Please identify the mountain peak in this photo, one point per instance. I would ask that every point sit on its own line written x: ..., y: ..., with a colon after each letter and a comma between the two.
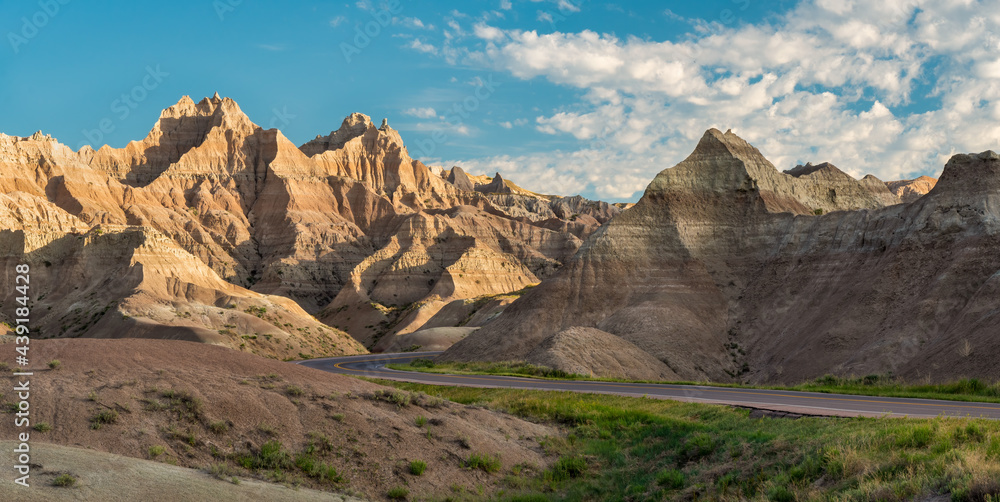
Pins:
x: 186, y: 107
x: 969, y: 174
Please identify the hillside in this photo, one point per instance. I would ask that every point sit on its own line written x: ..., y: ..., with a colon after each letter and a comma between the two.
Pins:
x: 194, y: 406
x: 728, y: 269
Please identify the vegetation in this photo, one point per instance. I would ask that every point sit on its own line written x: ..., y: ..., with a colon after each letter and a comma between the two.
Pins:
x: 649, y: 449
x: 480, y: 368
x: 103, y: 417
x: 398, y: 493
x: 54, y: 364
x: 218, y: 427
x: 484, y: 462
x: 417, y: 467
x: 273, y: 459
x: 64, y: 480
x: 42, y: 427
x: 156, y: 450
x: 969, y: 389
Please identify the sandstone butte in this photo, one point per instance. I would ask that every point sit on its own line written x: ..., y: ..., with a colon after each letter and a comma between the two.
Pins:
x: 729, y: 270
x: 214, y: 229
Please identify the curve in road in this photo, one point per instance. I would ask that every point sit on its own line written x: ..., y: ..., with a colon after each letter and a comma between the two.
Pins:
x: 804, y: 403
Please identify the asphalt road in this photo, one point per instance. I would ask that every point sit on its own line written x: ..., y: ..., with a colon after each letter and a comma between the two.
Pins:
x: 806, y: 403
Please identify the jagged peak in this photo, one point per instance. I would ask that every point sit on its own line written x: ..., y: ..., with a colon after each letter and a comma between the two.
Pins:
x: 215, y: 105
x: 355, y: 125
x: 356, y: 120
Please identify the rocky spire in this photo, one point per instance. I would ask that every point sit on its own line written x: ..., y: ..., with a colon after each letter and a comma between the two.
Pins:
x: 496, y: 186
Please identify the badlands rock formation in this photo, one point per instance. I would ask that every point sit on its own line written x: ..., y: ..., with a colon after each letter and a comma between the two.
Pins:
x: 911, y: 190
x: 729, y: 269
x: 215, y: 229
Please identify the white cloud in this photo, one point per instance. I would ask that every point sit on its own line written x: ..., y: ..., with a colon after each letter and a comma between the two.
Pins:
x: 507, y: 125
x: 423, y: 113
x: 414, y: 23
x: 820, y: 83
x: 567, y: 6
x: 487, y: 32
x: 424, y: 47
x: 337, y: 21
x: 505, y: 5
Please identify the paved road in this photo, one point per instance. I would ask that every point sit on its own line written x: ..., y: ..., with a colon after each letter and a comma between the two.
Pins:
x: 807, y: 403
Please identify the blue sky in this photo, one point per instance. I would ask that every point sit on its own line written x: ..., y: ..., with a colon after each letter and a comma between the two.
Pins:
x: 563, y: 96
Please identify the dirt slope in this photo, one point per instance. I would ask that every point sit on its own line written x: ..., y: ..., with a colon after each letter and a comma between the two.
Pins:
x: 205, y: 404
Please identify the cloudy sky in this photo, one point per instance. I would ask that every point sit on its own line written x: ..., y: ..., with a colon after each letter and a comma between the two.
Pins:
x: 562, y: 96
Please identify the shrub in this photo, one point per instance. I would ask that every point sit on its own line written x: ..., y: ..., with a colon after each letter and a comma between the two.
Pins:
x: 42, y: 427
x: 484, y: 462
x: 54, y: 364
x: 417, y: 467
x: 397, y: 397
x: 780, y: 494
x: 103, y: 417
x: 218, y: 427
x: 293, y: 391
x: 220, y: 470
x: 156, y: 450
x: 399, y: 493
x: 272, y: 456
x: 421, y: 421
x: 64, y: 480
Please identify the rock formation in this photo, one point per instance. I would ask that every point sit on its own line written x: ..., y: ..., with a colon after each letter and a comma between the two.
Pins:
x: 497, y: 185
x: 723, y: 270
x: 461, y: 180
x: 347, y: 226
x: 911, y: 190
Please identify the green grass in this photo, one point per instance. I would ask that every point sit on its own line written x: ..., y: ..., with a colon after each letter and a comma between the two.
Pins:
x: 484, y: 462
x: 621, y: 448
x: 398, y: 493
x: 64, y: 480
x: 417, y: 467
x: 478, y: 368
x: 103, y: 417
x: 970, y: 389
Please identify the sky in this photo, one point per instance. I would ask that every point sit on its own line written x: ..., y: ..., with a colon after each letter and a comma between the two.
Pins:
x: 562, y: 96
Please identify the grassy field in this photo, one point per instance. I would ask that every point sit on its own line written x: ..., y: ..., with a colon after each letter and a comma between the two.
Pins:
x: 637, y: 449
x: 871, y: 385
